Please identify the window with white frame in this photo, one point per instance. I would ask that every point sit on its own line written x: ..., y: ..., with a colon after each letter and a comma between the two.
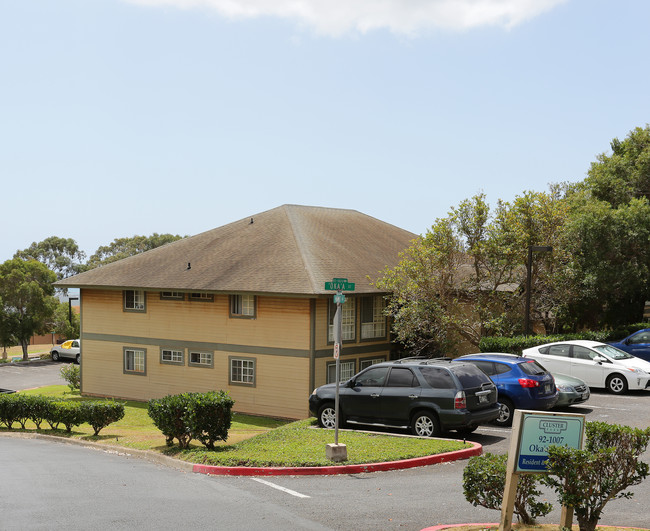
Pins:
x: 242, y: 305
x: 373, y: 319
x: 242, y: 371
x: 200, y: 296
x: 135, y: 361
x: 172, y: 356
x: 134, y: 300
x: 348, y: 320
x: 172, y: 295
x: 201, y: 359
x: 347, y: 371
x: 363, y: 364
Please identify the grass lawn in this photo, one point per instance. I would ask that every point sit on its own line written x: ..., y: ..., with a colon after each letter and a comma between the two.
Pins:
x: 252, y: 441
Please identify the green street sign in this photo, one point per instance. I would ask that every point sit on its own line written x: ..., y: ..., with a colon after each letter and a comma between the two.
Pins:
x: 339, y: 284
x: 339, y: 298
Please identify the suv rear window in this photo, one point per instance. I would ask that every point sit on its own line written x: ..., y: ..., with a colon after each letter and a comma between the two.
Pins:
x: 438, y: 378
x: 470, y: 375
x: 532, y: 367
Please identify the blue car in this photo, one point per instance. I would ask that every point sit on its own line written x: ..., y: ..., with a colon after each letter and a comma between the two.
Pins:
x: 637, y: 344
x: 520, y: 383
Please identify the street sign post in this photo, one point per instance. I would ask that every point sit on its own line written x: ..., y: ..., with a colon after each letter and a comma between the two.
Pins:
x: 338, y: 452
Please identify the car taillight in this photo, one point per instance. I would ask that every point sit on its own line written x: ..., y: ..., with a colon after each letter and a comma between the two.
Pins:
x: 527, y: 382
x: 460, y: 401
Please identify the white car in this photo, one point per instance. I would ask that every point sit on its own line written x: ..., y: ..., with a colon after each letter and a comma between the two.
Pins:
x: 68, y: 349
x: 598, y: 364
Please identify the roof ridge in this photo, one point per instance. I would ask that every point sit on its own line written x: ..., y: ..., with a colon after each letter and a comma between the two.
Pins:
x: 300, y: 240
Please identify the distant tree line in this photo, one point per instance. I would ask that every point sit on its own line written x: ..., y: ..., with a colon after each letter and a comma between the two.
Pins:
x: 28, y: 305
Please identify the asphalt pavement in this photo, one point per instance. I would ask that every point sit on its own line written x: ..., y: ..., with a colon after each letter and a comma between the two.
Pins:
x: 56, y: 485
x: 20, y: 376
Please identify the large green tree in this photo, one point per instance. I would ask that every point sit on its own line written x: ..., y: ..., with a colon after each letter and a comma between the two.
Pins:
x: 124, y: 247
x: 65, y: 321
x: 465, y: 278
x: 608, y: 271
x: 61, y: 255
x: 623, y: 175
x: 26, y: 295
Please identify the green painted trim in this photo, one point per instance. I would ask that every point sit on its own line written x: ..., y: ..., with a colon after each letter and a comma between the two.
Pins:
x: 191, y: 363
x: 134, y: 310
x: 198, y: 345
x: 135, y: 373
x: 355, y: 351
x: 242, y: 384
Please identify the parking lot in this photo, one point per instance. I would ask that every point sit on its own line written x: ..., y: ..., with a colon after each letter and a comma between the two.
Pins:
x: 18, y: 376
x: 631, y: 409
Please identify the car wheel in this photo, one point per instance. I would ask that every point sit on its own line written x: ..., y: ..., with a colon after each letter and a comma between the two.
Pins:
x: 506, y: 411
x: 78, y: 359
x: 327, y: 416
x: 55, y: 356
x: 616, y: 384
x: 425, y: 424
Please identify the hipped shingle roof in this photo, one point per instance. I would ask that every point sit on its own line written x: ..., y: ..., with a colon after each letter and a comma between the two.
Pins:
x: 290, y: 249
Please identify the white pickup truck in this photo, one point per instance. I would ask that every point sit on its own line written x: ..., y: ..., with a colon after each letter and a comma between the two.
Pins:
x: 68, y: 349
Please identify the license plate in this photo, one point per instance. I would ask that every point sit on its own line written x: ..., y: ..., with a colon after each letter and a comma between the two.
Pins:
x: 482, y: 399
x: 547, y: 389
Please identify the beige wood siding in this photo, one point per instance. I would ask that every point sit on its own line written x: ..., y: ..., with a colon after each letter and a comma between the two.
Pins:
x: 281, y: 322
x: 281, y: 388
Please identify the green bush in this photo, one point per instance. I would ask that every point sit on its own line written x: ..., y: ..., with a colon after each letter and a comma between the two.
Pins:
x: 516, y: 344
x: 210, y: 416
x: 39, y: 408
x: 70, y: 414
x: 484, y: 480
x: 203, y: 416
x: 100, y: 414
x: 168, y: 414
x: 610, y: 463
x: 70, y: 373
x: 13, y: 409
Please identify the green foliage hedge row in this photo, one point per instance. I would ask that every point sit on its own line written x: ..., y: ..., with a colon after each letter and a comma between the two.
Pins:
x: 203, y: 416
x: 516, y: 344
x: 17, y: 408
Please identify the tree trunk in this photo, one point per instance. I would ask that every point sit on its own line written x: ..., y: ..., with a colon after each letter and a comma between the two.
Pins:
x: 25, y: 344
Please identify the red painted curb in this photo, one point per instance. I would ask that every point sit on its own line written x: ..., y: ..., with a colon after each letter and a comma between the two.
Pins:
x: 439, y: 527
x: 476, y: 449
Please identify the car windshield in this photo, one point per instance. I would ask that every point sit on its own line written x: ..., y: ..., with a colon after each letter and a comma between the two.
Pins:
x: 470, y: 375
x: 612, y: 352
x: 533, y: 368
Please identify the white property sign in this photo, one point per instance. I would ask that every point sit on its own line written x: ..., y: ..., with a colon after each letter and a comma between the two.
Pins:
x: 532, y: 433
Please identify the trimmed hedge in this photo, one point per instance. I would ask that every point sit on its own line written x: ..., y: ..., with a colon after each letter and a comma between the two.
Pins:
x: 21, y: 408
x: 203, y: 416
x: 516, y: 344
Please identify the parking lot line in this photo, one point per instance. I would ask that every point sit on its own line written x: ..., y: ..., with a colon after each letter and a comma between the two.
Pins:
x: 283, y: 489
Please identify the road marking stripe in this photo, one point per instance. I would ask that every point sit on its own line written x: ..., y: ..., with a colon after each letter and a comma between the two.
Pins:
x: 288, y: 491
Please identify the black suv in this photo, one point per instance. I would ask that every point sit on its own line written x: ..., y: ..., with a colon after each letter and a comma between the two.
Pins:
x: 428, y: 395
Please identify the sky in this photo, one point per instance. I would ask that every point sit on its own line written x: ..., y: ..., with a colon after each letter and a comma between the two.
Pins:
x: 125, y: 117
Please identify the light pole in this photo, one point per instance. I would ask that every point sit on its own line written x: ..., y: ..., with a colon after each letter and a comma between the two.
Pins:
x: 531, y: 249
x: 70, y: 299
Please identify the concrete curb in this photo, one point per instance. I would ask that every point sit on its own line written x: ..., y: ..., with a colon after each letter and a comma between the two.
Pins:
x: 476, y: 449
x: 211, y: 470
x: 34, y: 362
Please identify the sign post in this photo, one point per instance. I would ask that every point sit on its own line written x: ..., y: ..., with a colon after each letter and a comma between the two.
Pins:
x: 338, y: 452
x: 532, y: 433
